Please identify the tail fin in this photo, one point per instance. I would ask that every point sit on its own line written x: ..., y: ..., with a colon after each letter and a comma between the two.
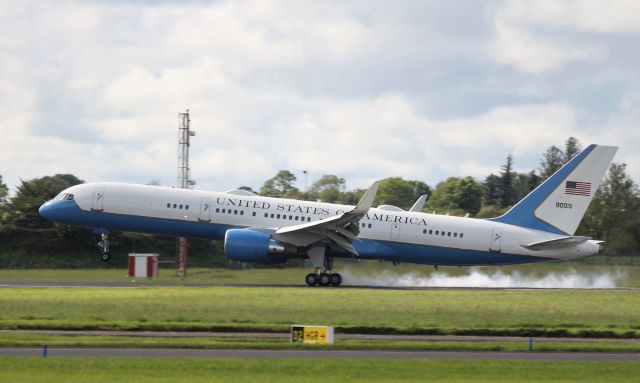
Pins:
x: 559, y: 203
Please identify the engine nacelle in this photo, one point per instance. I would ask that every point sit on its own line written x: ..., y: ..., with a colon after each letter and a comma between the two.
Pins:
x: 252, y: 246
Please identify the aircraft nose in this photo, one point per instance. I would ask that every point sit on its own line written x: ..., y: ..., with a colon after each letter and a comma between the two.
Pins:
x: 47, y: 210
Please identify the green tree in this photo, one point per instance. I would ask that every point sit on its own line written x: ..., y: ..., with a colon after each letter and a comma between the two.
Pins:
x: 399, y: 192
x: 280, y: 185
x: 22, y: 209
x: 613, y: 215
x: 329, y: 188
x: 552, y: 160
x: 571, y: 148
x: 4, y: 191
x: 507, y: 177
x: 454, y: 194
x: 420, y: 188
x: 524, y: 183
x: 352, y: 197
x: 493, y: 190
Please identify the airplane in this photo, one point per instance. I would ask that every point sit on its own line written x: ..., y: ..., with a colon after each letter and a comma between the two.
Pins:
x: 266, y: 230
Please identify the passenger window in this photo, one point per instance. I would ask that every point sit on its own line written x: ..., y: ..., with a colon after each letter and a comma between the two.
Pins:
x: 308, y: 219
x: 369, y: 226
x: 278, y: 216
x: 442, y: 233
x: 296, y: 217
x: 455, y: 235
x: 241, y: 212
x: 235, y: 212
x: 186, y: 207
x: 430, y: 231
x: 168, y: 205
x: 180, y: 206
x: 266, y: 215
x: 449, y: 234
x: 424, y: 231
x: 254, y: 214
x: 175, y: 205
x: 271, y: 215
x: 437, y: 232
x: 461, y: 235
x: 224, y: 211
x: 217, y: 210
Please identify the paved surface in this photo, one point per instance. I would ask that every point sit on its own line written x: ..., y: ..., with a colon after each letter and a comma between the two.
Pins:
x: 338, y: 336
x: 18, y: 284
x: 306, y: 354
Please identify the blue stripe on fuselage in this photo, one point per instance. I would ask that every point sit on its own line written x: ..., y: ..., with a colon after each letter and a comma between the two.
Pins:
x: 69, y: 212
x: 435, y: 255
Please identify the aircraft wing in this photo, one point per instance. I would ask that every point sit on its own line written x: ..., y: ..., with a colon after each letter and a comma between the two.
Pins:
x: 419, y: 204
x: 339, y: 231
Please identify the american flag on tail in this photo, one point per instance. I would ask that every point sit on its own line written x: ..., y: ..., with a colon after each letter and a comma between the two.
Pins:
x: 578, y: 188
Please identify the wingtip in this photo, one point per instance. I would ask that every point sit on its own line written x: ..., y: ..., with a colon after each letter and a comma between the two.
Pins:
x: 367, y: 199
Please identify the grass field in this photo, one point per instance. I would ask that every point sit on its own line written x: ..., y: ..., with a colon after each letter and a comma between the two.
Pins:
x: 500, y: 312
x: 141, y: 370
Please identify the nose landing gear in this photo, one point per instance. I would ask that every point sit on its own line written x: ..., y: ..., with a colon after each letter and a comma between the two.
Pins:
x: 104, y: 247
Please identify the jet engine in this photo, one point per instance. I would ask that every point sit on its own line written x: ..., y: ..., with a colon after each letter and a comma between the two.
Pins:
x: 246, y: 245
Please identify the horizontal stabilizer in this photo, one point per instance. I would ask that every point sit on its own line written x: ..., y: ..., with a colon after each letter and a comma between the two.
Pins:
x: 557, y: 243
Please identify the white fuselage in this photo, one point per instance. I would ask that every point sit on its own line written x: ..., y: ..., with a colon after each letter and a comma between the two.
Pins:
x: 386, y: 233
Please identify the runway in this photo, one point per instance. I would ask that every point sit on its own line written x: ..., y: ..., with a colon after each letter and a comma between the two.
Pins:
x: 338, y: 336
x: 19, y: 284
x: 320, y: 354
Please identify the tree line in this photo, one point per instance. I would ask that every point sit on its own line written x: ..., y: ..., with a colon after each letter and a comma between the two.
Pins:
x: 28, y: 240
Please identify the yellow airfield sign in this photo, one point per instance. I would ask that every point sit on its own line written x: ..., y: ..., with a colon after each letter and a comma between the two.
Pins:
x: 312, y: 334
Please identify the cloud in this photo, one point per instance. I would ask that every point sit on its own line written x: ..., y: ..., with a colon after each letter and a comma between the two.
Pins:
x: 361, y: 90
x: 619, y: 17
x: 544, y: 36
x: 530, y: 53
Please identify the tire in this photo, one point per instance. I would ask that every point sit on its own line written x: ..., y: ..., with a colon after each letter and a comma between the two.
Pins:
x: 336, y: 279
x: 311, y: 279
x: 105, y: 257
x: 324, y: 279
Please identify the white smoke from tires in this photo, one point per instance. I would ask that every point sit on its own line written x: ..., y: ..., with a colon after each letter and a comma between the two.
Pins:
x: 476, y: 277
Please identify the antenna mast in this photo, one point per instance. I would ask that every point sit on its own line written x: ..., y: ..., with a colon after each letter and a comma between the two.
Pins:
x: 185, y: 182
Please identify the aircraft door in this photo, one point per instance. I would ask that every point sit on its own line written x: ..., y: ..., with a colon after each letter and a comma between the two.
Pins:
x: 496, y: 240
x: 205, y: 211
x: 98, y: 199
x: 395, y: 231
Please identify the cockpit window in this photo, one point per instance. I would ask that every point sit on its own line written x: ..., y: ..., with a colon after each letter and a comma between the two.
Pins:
x: 65, y: 196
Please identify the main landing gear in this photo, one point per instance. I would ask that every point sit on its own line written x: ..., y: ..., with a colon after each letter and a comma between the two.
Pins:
x: 104, y: 247
x: 323, y: 278
x: 323, y: 275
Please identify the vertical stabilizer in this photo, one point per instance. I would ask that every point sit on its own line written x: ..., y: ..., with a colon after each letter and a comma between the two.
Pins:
x: 559, y: 203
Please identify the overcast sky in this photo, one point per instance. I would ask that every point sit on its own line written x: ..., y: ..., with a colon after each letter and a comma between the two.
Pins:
x: 361, y: 89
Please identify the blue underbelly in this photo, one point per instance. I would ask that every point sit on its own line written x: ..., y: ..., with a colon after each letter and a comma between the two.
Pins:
x: 367, y: 248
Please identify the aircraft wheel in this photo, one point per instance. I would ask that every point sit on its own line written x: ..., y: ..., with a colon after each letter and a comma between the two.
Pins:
x: 311, y: 279
x: 105, y: 257
x: 324, y: 280
x: 336, y: 279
